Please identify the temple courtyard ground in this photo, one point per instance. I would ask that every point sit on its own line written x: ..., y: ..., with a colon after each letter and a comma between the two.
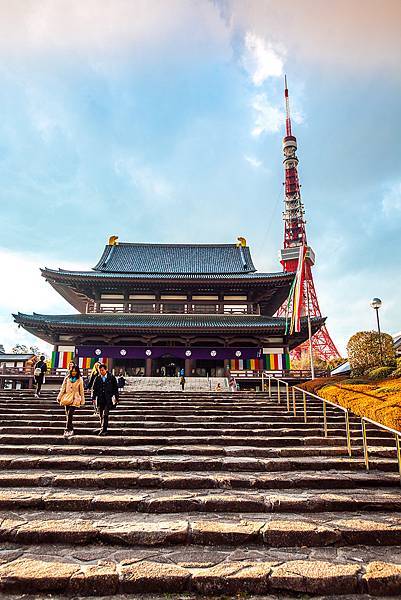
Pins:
x: 194, y: 494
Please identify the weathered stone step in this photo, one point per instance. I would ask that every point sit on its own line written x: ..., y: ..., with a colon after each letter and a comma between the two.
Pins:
x: 208, y: 451
x: 287, y: 530
x: 75, y: 479
x: 81, y: 417
x: 179, y: 463
x: 163, y: 440
x: 185, y: 431
x: 212, y: 501
x: 193, y: 422
x: 204, y: 571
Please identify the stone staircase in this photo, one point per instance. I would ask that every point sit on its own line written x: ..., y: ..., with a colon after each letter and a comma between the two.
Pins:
x: 172, y: 384
x: 197, y: 493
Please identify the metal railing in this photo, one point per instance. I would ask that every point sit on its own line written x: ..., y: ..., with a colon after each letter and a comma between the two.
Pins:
x: 305, y: 393
x: 364, y: 420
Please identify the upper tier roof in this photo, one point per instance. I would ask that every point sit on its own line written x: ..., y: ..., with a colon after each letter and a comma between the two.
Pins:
x: 175, y: 258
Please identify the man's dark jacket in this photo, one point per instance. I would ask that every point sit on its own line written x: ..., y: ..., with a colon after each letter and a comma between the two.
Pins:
x: 103, y: 391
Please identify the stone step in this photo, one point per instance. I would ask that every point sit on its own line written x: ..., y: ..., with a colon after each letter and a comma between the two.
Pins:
x: 89, y: 419
x: 218, y: 440
x: 210, y: 501
x: 273, y: 531
x: 119, y: 416
x: 204, y: 571
x: 82, y: 480
x: 180, y: 463
x: 185, y: 431
x: 209, y: 451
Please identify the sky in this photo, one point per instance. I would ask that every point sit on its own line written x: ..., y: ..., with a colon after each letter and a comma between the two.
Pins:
x: 163, y: 122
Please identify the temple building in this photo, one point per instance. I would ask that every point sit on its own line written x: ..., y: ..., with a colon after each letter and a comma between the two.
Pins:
x: 154, y: 309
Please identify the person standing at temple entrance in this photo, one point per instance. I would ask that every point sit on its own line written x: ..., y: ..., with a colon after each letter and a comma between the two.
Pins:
x: 105, y: 396
x: 182, y: 382
x: 39, y: 374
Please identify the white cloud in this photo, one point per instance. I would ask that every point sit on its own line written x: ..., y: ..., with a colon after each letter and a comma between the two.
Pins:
x: 391, y: 202
x: 260, y: 59
x: 28, y: 292
x: 253, y: 161
x: 144, y: 178
x: 268, y: 117
x: 95, y: 30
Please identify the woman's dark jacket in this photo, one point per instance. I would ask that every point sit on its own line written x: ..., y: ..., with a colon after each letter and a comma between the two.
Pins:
x: 103, y: 391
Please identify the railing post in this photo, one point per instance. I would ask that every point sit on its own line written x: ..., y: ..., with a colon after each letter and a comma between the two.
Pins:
x: 304, y: 399
x: 325, y: 418
x: 270, y: 386
x: 294, y: 404
x: 397, y: 442
x: 347, y: 428
x: 288, y: 397
x: 365, y: 445
x: 278, y: 391
x: 263, y: 381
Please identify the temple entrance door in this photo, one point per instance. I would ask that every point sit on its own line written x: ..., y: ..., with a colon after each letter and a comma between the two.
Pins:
x: 133, y: 367
x: 167, y: 366
x: 211, y: 368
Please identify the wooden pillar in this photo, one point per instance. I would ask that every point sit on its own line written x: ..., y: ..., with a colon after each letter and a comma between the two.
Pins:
x: 188, y: 367
x: 226, y: 365
x: 148, y: 367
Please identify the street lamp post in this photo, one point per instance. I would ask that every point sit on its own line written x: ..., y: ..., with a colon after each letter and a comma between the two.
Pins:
x: 376, y: 304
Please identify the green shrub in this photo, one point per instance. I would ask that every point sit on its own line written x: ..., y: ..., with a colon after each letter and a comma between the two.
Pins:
x: 364, y: 351
x: 380, y: 373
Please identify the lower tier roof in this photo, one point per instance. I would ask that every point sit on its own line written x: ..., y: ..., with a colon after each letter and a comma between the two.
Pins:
x: 44, y: 326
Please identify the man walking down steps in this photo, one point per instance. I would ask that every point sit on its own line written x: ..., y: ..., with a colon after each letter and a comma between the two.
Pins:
x: 105, y: 395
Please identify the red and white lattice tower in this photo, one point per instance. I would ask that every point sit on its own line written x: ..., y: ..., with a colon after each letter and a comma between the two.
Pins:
x: 294, y: 237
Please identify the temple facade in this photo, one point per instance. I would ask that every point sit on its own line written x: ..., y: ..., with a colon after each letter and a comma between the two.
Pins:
x: 154, y: 309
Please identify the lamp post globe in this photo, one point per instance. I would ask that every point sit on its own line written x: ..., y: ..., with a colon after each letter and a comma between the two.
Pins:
x: 376, y: 304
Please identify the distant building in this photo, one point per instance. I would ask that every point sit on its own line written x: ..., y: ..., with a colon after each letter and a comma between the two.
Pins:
x: 17, y: 363
x: 155, y: 309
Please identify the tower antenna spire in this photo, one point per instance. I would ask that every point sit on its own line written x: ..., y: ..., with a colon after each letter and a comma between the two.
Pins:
x: 287, y: 108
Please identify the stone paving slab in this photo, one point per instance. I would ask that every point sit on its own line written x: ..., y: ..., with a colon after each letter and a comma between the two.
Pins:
x: 139, y: 574
x: 190, y: 463
x: 130, y: 479
x: 163, y: 501
x: 132, y: 529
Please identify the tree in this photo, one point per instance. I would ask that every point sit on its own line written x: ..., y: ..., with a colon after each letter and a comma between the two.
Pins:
x: 364, y: 351
x: 303, y: 362
x: 23, y: 349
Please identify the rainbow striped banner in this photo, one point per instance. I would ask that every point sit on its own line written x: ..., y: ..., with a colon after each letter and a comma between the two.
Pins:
x: 86, y: 362
x: 269, y: 362
x: 296, y: 300
x: 60, y: 360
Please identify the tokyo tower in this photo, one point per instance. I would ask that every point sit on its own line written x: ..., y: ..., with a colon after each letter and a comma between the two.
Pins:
x: 294, y: 239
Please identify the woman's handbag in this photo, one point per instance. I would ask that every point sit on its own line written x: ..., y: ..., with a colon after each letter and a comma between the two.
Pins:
x: 67, y: 399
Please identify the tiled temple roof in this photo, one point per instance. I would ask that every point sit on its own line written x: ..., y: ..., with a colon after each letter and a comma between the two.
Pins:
x: 156, y: 321
x: 176, y: 258
x: 257, y: 276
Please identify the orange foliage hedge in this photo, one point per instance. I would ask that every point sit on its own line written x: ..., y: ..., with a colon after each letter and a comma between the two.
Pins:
x: 379, y: 401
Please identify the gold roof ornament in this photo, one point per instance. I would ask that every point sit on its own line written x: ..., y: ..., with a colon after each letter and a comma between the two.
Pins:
x: 113, y: 240
x: 241, y: 242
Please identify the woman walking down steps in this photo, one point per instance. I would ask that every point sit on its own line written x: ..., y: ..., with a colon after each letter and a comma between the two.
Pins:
x: 71, y: 396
